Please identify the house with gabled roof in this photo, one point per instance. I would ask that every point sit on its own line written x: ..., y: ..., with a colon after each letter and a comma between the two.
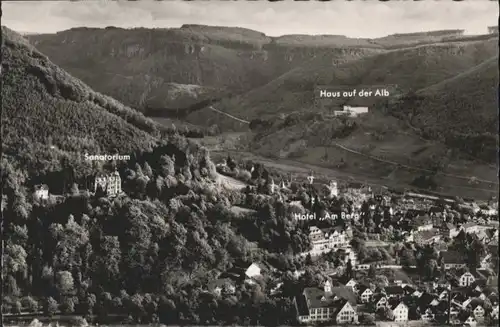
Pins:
x: 477, y: 309
x: 466, y: 279
x: 469, y: 278
x: 365, y: 293
x: 399, y: 312
x: 351, y: 283
x: 379, y: 300
x: 328, y: 304
x: 422, y: 223
x: 243, y: 271
x: 467, y: 318
x: 443, y: 295
x: 486, y: 261
x: 394, y: 291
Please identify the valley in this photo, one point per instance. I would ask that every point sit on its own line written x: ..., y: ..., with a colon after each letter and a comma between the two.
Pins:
x: 452, y: 185
x: 218, y: 80
x: 197, y: 176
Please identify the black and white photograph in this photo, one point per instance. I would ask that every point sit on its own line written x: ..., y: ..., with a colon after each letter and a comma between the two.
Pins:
x: 249, y: 163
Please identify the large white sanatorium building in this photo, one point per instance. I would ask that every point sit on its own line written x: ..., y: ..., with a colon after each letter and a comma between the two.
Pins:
x: 110, y: 184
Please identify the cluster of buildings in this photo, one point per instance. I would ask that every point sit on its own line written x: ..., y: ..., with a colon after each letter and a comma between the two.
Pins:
x: 459, y: 296
x: 422, y: 221
x: 109, y: 184
x: 439, y: 302
x: 241, y: 273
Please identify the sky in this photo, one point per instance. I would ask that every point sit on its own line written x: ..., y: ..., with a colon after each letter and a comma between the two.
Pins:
x: 354, y: 19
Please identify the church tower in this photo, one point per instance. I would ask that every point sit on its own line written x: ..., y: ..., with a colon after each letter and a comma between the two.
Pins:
x: 327, y: 288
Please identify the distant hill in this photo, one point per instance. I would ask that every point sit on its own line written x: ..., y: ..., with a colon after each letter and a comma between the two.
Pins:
x: 176, y: 73
x: 408, y: 69
x: 133, y: 65
x: 47, y: 113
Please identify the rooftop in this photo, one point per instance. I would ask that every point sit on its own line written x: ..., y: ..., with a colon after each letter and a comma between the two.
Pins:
x: 394, y: 290
x: 318, y: 299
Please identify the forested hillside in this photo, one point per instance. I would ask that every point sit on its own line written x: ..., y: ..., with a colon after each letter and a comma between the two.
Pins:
x: 461, y: 111
x: 408, y: 69
x: 44, y: 106
x: 146, y: 255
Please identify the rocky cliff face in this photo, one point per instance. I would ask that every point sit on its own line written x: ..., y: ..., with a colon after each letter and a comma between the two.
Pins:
x: 131, y: 64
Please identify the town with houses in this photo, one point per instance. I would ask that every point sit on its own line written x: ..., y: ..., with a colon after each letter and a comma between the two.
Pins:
x: 215, y: 217
x: 436, y: 264
x: 439, y: 264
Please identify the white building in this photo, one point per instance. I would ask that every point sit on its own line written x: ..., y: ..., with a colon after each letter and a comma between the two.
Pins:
x: 41, y: 192
x: 400, y: 312
x: 334, y: 191
x: 273, y: 186
x: 310, y: 178
x: 478, y: 311
x: 351, y: 283
x: 336, y: 239
x: 327, y: 304
x: 253, y: 271
x: 467, y: 279
x: 365, y: 294
x: 355, y: 111
x: 110, y: 184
